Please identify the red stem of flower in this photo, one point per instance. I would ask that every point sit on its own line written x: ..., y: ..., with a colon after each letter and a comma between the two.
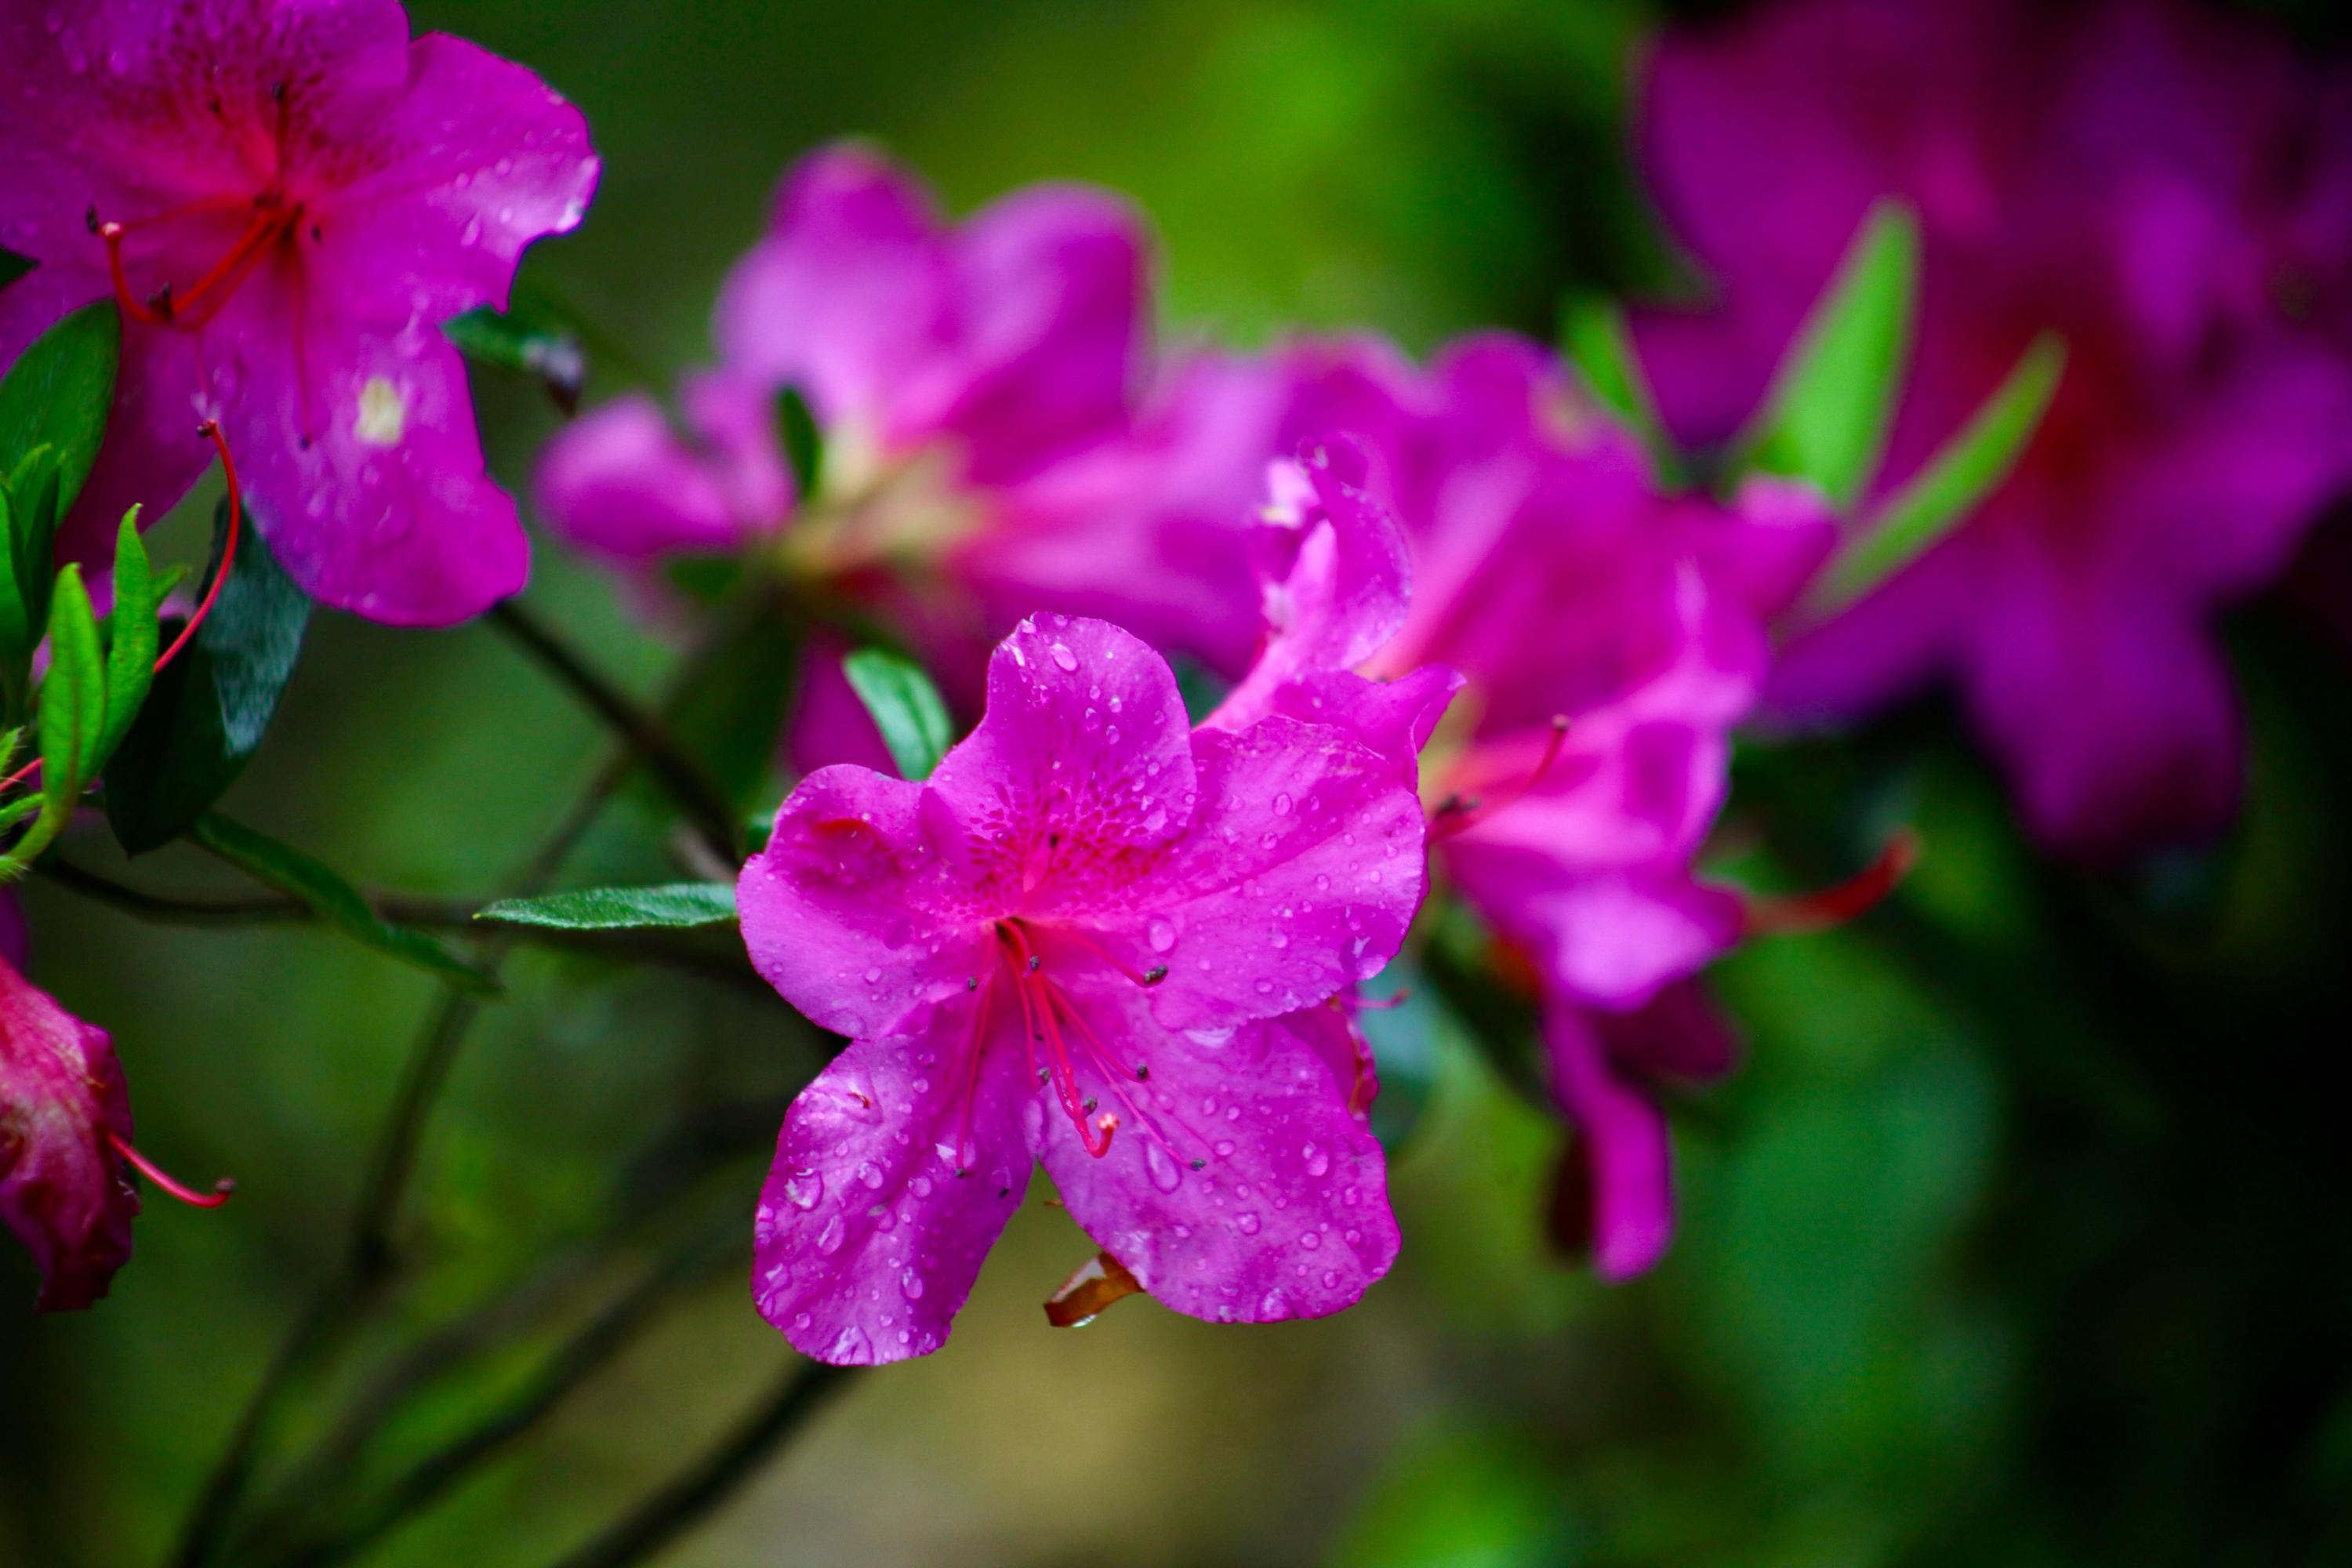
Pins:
x: 211, y: 429
x: 162, y: 1178
x: 1834, y: 906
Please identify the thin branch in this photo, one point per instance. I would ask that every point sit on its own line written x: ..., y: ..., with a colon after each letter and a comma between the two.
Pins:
x: 706, y: 806
x: 679, y: 1505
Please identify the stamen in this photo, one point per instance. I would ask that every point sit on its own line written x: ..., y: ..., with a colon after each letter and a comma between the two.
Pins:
x: 211, y: 430
x: 1834, y: 906
x: 1458, y: 816
x: 157, y: 1175
x: 1151, y: 976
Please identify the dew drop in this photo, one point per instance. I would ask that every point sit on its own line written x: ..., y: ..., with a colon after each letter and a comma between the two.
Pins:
x: 1282, y: 806
x: 803, y: 1188
x: 870, y: 1173
x: 1224, y: 1148
x: 1065, y: 658
x: 873, y: 976
x: 920, y: 1186
x: 912, y: 1284
x: 801, y: 1319
x: 1318, y: 1162
x: 1160, y: 934
x: 1310, y: 1241
x: 1160, y: 1167
x: 851, y: 1349
x: 1322, y: 884
x: 1330, y: 1278
x: 829, y: 1239
x: 1247, y: 1224
x: 471, y: 234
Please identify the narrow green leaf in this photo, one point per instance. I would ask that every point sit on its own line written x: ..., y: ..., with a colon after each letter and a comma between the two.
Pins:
x: 290, y: 871
x: 1827, y: 416
x: 207, y: 712
x: 58, y: 394
x: 132, y: 638
x: 1595, y: 339
x: 1968, y: 469
x: 803, y: 442
x: 73, y: 696
x: 621, y: 909
x: 528, y: 339
x: 905, y: 707
x: 13, y: 266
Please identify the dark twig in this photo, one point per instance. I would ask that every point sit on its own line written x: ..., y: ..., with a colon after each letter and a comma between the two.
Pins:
x: 682, y: 953
x: 573, y: 1362
x: 706, y: 806
x: 679, y: 1505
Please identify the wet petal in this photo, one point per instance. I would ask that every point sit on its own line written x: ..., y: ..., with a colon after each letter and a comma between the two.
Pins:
x: 1625, y: 1140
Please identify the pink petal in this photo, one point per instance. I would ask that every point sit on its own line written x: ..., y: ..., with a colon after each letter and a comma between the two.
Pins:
x: 62, y: 1189
x: 619, y: 482
x: 1286, y: 1216
x: 851, y: 911
x: 869, y: 1239
x: 1625, y: 1141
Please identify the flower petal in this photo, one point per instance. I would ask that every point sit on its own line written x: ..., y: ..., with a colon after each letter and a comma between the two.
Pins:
x: 1286, y: 1215
x: 619, y: 482
x: 850, y: 911
x: 1300, y: 871
x: 869, y: 1239
x: 1625, y: 1140
x: 62, y: 1188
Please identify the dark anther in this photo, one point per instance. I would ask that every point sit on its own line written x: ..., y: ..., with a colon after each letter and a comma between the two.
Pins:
x: 90, y: 218
x: 278, y: 93
x: 1040, y: 1075
x: 316, y: 238
x: 973, y: 984
x: 1005, y: 1192
x: 961, y: 1172
x: 1035, y: 964
x: 1052, y: 841
x: 1089, y: 1105
x: 1155, y: 974
x: 1143, y: 1072
x: 1199, y: 1164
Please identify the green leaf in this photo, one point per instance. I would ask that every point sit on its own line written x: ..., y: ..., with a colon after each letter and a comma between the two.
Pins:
x: 73, y: 696
x: 803, y: 443
x: 1827, y: 416
x: 13, y: 266
x: 1596, y: 340
x: 132, y: 638
x: 621, y: 909
x: 287, y: 869
x: 58, y: 394
x: 905, y: 707
x: 528, y: 339
x: 209, y: 708
x: 34, y: 486
x: 1944, y: 493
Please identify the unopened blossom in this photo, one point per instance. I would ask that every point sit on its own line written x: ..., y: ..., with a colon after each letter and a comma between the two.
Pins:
x: 1551, y: 569
x: 2160, y: 184
x: 63, y: 1187
x: 1086, y: 940
x: 288, y: 197
x: 998, y: 438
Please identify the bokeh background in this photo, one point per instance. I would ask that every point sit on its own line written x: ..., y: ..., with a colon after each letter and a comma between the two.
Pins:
x: 2024, y: 1238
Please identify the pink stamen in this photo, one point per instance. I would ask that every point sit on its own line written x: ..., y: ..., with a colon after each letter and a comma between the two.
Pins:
x: 211, y: 429
x: 162, y: 1178
x: 1457, y: 815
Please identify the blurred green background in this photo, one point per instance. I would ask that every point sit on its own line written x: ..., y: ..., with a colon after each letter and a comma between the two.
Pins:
x: 2024, y: 1238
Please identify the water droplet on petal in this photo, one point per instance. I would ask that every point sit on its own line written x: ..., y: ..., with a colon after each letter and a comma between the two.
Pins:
x: 1162, y: 1167
x: 1247, y: 1224
x: 912, y: 1284
x: 851, y: 1349
x: 801, y: 1319
x: 870, y: 1173
x: 1224, y: 1148
x: 873, y: 976
x: 1310, y: 1241
x: 829, y: 1239
x: 1065, y: 658
x: 1282, y: 806
x: 803, y: 1188
x: 1160, y: 934
x: 920, y: 1186
x: 1318, y: 1162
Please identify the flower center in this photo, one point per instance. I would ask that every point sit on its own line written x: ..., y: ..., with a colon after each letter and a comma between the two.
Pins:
x: 271, y: 220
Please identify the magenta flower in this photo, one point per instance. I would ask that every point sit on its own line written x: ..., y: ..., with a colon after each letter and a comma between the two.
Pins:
x: 1088, y: 940
x: 1553, y: 572
x: 62, y: 1186
x: 2139, y: 177
x: 295, y: 195
x: 997, y: 439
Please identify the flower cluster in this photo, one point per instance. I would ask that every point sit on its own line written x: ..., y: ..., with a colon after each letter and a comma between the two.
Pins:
x: 1458, y: 625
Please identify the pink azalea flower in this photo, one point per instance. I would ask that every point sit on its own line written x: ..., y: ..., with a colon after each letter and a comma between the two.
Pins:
x: 1552, y: 572
x: 997, y: 438
x: 298, y: 195
x: 63, y: 1189
x: 1094, y: 938
x: 2147, y: 179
